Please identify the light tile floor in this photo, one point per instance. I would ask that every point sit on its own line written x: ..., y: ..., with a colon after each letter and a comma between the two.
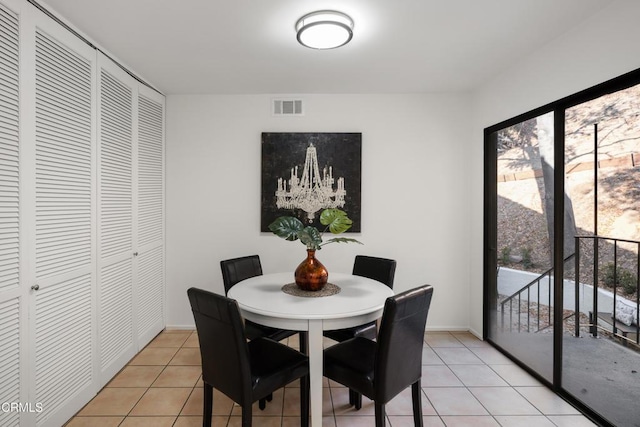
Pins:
x: 465, y: 381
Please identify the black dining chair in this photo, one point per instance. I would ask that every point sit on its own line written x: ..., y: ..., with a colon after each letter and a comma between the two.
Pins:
x: 237, y: 269
x: 381, y: 269
x: 382, y: 369
x: 245, y: 371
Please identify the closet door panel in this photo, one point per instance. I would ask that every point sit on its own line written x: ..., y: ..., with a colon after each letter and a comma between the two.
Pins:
x: 11, y: 342
x: 150, y: 221
x: 150, y: 287
x: 115, y: 166
x: 63, y: 159
x: 64, y: 222
x: 150, y: 171
x: 116, y: 107
x: 9, y: 153
x: 63, y: 366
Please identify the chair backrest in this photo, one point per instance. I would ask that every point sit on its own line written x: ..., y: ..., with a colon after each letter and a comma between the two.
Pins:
x: 223, y: 346
x: 237, y: 269
x: 380, y: 269
x: 400, y: 341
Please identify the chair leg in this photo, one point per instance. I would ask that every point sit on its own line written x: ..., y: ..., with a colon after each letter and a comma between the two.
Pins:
x: 304, y: 401
x: 247, y: 415
x: 380, y: 414
x: 304, y: 342
x: 416, y: 392
x: 208, y: 405
x: 262, y: 403
x: 357, y: 400
x: 352, y: 397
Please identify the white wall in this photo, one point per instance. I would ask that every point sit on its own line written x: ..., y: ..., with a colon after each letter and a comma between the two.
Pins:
x: 415, y: 191
x: 422, y: 161
x: 603, y: 48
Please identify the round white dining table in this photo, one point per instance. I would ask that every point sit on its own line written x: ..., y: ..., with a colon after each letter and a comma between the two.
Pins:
x: 262, y: 300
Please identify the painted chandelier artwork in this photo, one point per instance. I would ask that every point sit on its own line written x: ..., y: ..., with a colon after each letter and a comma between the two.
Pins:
x: 312, y: 192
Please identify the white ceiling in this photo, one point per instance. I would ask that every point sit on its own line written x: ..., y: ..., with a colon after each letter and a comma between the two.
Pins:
x: 249, y: 46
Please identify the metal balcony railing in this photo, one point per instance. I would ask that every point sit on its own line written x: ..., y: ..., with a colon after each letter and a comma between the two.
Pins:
x: 532, y: 305
x: 538, y: 313
x: 607, y: 321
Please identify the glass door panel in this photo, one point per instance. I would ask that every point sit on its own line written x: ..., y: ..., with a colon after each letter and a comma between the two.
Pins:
x: 521, y: 299
x: 601, y: 362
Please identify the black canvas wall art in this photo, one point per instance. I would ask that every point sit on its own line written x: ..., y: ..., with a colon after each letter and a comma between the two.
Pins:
x: 304, y: 173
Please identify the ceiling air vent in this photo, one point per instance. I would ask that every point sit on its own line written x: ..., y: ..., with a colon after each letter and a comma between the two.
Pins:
x: 287, y: 107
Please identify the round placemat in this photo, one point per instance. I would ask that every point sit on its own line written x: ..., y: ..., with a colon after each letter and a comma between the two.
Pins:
x: 328, y: 290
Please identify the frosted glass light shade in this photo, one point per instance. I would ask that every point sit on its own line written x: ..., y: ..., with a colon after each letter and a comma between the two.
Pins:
x: 325, y: 29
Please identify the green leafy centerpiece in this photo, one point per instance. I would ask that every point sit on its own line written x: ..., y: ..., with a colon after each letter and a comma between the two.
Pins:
x: 311, y: 275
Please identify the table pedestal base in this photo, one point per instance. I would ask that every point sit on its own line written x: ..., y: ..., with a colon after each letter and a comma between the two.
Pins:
x: 315, y: 370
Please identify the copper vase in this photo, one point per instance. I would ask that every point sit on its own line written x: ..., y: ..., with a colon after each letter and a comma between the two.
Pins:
x: 311, y: 274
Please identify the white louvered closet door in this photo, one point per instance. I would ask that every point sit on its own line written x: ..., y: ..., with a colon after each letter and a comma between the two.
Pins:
x: 64, y: 223
x: 117, y: 96
x: 150, y: 220
x: 11, y: 300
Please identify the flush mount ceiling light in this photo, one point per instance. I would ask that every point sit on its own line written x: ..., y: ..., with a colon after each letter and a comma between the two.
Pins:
x: 324, y: 29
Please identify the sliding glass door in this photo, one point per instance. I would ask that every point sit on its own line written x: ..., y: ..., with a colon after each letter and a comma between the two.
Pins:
x: 601, y: 362
x: 562, y: 246
x: 522, y: 296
